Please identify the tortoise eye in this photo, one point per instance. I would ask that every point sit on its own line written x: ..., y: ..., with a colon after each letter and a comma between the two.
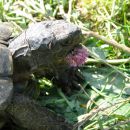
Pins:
x: 66, y: 43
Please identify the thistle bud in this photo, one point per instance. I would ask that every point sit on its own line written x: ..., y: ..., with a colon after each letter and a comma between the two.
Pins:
x: 77, y: 57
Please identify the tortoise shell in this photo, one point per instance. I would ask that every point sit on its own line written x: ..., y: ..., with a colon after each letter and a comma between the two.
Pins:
x: 5, y: 33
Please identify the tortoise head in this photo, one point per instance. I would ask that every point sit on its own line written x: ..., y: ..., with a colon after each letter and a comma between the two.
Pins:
x: 47, y: 45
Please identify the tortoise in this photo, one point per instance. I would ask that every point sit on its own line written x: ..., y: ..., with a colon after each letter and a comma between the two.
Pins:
x: 48, y: 48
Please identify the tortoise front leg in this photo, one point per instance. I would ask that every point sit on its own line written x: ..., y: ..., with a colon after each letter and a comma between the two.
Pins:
x: 28, y: 114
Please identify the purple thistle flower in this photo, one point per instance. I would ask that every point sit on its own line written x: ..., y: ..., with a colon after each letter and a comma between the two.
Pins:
x: 77, y: 57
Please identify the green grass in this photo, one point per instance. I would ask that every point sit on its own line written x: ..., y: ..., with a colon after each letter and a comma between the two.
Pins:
x: 107, y: 86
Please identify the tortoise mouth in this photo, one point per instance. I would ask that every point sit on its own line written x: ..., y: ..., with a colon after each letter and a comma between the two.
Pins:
x: 77, y: 56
